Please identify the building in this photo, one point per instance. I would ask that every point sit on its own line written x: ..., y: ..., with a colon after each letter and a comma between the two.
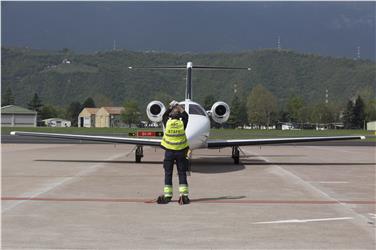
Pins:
x: 107, y: 117
x: 87, y: 117
x: 371, y: 126
x: 15, y: 116
x: 57, y: 122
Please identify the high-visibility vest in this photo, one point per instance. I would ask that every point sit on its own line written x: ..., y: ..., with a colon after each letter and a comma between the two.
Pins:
x: 174, y: 137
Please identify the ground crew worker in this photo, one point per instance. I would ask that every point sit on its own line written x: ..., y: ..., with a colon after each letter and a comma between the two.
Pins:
x: 175, y: 143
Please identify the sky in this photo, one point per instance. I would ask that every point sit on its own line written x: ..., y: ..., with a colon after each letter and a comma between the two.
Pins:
x: 326, y: 28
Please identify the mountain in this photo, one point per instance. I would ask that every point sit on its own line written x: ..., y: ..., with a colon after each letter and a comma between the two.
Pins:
x: 60, y: 77
x: 325, y: 28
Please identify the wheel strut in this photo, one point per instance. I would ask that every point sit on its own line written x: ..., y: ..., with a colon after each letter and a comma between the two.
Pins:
x: 139, y: 153
x: 235, y: 154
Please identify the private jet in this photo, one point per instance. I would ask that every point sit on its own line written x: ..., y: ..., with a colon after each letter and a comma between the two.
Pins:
x: 198, y: 128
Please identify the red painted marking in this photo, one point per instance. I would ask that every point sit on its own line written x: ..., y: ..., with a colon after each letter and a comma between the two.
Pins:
x: 203, y: 200
x: 146, y: 133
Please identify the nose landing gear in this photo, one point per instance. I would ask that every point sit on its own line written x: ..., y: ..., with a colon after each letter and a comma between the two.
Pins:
x: 139, y: 153
x: 235, y: 154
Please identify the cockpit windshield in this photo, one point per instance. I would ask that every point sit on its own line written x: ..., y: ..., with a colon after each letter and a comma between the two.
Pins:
x: 195, y: 109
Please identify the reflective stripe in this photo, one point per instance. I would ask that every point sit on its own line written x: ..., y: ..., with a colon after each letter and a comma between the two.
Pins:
x: 183, y: 189
x: 175, y: 135
x: 167, y: 189
x: 175, y: 143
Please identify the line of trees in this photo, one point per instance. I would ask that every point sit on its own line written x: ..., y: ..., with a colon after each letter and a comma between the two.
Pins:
x: 261, y: 108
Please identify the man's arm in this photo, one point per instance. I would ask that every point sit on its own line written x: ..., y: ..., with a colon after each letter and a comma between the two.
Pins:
x: 165, y: 116
x: 184, y: 117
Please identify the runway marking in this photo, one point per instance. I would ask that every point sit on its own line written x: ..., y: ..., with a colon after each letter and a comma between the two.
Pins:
x: 202, y: 200
x: 360, y: 219
x: 330, y: 182
x: 373, y: 216
x: 303, y: 221
x: 60, y: 183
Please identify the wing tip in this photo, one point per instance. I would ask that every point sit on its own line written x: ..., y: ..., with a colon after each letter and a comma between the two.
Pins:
x: 13, y: 133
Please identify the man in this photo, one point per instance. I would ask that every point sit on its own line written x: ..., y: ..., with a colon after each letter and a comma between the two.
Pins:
x: 175, y: 143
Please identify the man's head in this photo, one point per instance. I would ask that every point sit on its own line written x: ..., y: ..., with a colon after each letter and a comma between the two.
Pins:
x: 176, y: 110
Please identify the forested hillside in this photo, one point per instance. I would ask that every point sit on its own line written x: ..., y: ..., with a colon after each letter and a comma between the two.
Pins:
x: 105, y: 76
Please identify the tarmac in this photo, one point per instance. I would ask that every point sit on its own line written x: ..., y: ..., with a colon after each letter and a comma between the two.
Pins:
x: 93, y: 196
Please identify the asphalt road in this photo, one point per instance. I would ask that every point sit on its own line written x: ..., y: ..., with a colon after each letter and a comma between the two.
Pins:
x: 86, y: 196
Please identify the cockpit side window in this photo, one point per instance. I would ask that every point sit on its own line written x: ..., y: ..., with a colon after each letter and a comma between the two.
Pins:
x: 195, y: 109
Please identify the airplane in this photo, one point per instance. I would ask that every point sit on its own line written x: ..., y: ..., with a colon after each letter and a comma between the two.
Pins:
x: 198, y: 127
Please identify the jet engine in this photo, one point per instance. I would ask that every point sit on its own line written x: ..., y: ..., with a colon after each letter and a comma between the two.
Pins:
x: 220, y: 112
x: 155, y: 111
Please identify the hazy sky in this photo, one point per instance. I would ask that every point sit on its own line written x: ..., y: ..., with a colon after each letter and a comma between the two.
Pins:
x: 327, y: 28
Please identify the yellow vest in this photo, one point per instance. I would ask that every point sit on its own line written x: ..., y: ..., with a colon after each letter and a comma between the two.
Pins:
x: 174, y: 137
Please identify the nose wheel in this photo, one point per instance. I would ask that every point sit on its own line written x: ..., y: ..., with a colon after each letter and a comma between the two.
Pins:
x: 139, y: 153
x: 235, y: 154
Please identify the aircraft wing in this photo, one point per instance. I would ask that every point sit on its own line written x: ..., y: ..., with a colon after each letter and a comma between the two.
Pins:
x: 113, y: 139
x: 250, y: 142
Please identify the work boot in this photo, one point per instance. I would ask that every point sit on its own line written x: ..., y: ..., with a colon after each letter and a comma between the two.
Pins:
x: 163, y: 199
x: 183, y: 199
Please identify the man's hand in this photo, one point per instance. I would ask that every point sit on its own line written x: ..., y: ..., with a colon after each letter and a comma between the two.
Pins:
x: 173, y: 103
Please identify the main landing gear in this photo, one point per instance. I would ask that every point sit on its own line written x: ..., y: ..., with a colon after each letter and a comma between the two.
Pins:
x: 235, y: 154
x: 139, y: 153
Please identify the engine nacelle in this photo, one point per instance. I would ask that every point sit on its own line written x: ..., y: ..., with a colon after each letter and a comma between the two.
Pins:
x: 220, y: 112
x: 155, y: 111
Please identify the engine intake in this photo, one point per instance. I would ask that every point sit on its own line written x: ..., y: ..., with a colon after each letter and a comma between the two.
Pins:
x: 155, y: 111
x: 220, y: 112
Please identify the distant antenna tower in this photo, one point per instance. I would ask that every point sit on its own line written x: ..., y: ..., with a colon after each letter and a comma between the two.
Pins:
x: 326, y: 96
x: 358, y: 52
x: 114, y: 47
x: 279, y: 43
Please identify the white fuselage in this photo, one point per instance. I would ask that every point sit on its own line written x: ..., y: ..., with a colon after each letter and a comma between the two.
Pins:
x: 198, y: 126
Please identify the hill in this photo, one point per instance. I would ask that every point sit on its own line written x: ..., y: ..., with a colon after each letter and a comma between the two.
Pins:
x: 105, y: 76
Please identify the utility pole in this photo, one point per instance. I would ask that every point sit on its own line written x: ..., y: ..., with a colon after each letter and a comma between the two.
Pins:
x: 358, y: 53
x: 326, y: 96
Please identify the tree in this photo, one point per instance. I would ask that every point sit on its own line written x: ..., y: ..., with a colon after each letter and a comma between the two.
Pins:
x: 262, y: 104
x: 371, y: 110
x: 238, y: 116
x: 295, y: 106
x: 88, y: 103
x: 163, y: 97
x: 208, y: 102
x: 48, y: 111
x: 7, y: 98
x: 323, y: 113
x: 73, y: 111
x: 35, y: 103
x: 348, y: 115
x: 103, y: 100
x: 131, y: 114
x: 359, y: 113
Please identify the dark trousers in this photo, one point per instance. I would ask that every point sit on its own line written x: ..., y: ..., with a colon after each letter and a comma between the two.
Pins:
x: 178, y: 157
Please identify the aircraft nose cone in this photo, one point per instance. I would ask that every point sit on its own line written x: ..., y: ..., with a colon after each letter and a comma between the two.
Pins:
x: 197, y: 131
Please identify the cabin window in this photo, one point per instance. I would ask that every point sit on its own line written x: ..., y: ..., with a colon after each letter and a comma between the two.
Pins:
x: 195, y: 109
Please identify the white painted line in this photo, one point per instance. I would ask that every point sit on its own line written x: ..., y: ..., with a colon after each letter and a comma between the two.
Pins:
x: 330, y: 182
x: 303, y: 221
x: 373, y: 216
x: 359, y: 219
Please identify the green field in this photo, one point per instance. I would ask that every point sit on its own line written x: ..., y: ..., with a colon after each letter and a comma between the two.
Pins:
x: 214, y: 133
